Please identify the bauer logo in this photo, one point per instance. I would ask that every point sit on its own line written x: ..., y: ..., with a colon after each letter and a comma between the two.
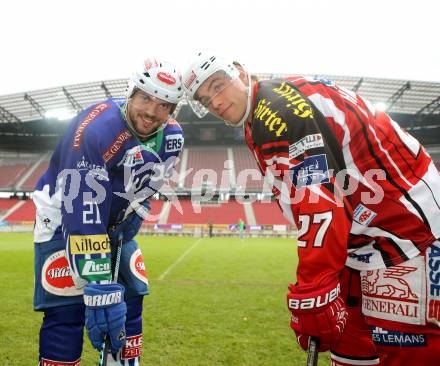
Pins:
x: 363, y: 215
x: 95, y: 269
x: 55, y: 276
x: 132, y: 348
x: 46, y: 362
x: 173, y: 142
x: 89, y: 244
x: 315, y: 302
x: 137, y: 266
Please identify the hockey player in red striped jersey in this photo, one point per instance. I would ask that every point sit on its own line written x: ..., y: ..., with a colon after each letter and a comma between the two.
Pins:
x: 365, y: 196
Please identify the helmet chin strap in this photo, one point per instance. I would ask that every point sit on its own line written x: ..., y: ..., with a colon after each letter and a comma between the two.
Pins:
x: 248, y: 105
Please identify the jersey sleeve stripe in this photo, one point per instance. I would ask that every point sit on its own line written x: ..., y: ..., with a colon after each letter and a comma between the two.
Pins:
x: 381, y: 166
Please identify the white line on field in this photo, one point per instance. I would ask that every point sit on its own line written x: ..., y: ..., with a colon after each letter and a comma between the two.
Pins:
x: 178, y: 260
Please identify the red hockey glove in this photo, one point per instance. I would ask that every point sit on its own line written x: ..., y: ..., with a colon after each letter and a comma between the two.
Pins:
x: 317, y: 310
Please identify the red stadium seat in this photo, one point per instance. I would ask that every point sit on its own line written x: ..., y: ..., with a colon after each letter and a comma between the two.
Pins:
x: 225, y: 213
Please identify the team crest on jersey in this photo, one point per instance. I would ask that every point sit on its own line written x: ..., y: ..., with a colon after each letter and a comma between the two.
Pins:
x: 132, y: 157
x: 137, y: 266
x: 363, y: 215
x: 313, y: 170
x: 55, y: 276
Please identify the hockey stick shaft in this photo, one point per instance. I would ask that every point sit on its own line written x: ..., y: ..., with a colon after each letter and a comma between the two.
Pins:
x: 312, y: 353
x: 105, y: 351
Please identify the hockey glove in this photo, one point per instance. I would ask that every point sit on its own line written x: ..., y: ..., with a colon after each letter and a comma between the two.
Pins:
x: 317, y: 310
x: 105, y: 314
x: 130, y: 226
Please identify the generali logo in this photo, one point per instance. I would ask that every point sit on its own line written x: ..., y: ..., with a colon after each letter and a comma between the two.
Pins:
x: 395, y: 293
x: 390, y: 285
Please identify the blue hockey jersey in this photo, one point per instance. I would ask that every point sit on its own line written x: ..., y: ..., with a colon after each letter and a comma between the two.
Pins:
x: 98, y: 175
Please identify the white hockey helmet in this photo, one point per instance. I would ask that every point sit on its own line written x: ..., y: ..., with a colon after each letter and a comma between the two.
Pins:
x: 158, y: 79
x: 204, y: 65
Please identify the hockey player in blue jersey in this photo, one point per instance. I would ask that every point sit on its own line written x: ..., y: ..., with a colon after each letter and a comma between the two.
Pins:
x: 113, y: 157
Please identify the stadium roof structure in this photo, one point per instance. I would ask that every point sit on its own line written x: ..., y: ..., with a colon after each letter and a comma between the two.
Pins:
x: 397, y: 96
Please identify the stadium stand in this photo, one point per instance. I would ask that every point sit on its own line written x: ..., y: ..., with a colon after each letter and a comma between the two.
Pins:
x: 23, y: 214
x: 268, y: 214
x: 6, y: 204
x: 11, y: 172
x: 212, y: 161
x: 243, y: 159
x: 224, y: 213
x: 155, y: 211
x: 26, y: 135
x: 29, y: 184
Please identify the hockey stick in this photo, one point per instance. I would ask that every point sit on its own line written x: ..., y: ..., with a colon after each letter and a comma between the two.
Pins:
x: 103, y: 354
x: 312, y: 352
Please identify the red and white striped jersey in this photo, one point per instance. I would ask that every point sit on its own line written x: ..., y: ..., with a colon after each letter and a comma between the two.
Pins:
x: 362, y: 192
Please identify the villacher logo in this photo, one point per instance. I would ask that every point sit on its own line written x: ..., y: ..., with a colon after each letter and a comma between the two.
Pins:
x: 89, y: 244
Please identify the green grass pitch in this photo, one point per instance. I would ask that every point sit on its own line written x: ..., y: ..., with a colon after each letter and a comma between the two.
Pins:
x: 218, y: 301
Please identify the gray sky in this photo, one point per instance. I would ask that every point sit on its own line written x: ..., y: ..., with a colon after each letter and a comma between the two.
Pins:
x: 51, y: 43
